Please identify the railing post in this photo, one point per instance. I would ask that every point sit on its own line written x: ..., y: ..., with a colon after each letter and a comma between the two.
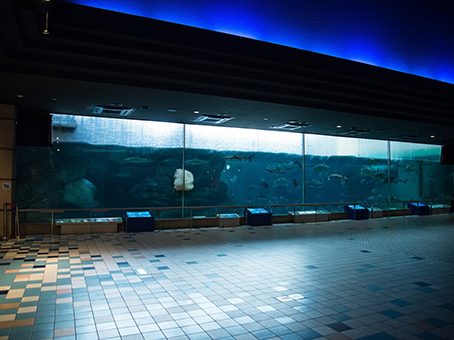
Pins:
x: 316, y: 206
x: 219, y: 217
x: 5, y: 219
x: 52, y: 226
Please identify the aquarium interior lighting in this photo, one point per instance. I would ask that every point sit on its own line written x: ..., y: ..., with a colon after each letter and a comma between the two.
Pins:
x: 290, y: 125
x: 112, y: 110
x: 217, y: 119
x: 64, y: 122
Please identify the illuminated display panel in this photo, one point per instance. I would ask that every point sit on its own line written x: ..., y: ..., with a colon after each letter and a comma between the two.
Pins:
x: 404, y: 36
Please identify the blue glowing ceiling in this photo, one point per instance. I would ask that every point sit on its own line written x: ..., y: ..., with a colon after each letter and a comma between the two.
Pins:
x: 409, y: 36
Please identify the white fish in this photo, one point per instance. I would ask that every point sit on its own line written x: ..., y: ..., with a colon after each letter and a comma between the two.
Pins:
x: 181, y: 182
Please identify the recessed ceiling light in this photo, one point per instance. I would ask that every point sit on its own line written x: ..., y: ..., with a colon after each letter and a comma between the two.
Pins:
x: 171, y: 110
x: 20, y: 96
x: 54, y: 99
x: 196, y: 112
x: 432, y: 136
x: 339, y: 126
x: 265, y: 118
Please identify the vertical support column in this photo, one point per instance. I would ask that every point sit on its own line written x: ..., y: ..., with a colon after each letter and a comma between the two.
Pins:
x: 389, y: 174
x: 303, y: 170
x: 184, y: 173
x: 7, y: 145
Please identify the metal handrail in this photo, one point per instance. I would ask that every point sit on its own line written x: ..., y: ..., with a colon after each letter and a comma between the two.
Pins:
x: 241, y: 207
x: 228, y: 206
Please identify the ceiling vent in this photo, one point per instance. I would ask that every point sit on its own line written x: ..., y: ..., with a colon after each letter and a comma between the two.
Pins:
x: 291, y: 125
x: 355, y: 132
x: 217, y: 119
x: 405, y: 137
x: 112, y: 110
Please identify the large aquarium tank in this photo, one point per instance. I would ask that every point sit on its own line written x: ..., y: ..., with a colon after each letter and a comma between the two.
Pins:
x: 103, y: 163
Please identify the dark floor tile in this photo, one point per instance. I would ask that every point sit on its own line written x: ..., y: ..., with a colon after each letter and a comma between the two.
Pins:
x: 339, y: 326
x: 392, y: 313
x: 429, y: 336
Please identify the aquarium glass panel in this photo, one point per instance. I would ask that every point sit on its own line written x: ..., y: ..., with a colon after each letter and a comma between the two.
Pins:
x: 341, y: 169
x: 98, y: 162
x: 233, y: 166
x: 417, y: 173
x: 369, y: 178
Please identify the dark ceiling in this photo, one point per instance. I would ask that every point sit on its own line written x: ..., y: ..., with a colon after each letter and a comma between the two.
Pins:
x: 167, y: 71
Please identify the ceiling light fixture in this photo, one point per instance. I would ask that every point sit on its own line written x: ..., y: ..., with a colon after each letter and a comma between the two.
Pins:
x: 171, y: 110
x: 354, y: 131
x: 196, y: 112
x: 339, y: 126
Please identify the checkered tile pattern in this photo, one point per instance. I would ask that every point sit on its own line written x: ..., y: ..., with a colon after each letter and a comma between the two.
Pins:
x: 390, y: 278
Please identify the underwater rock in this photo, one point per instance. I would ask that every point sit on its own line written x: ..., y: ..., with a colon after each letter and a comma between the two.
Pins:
x: 38, y: 186
x: 188, y: 179
x: 151, y: 192
x: 71, y: 162
x: 80, y: 194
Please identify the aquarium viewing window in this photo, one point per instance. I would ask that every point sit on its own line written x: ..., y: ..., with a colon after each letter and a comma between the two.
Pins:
x: 99, y: 162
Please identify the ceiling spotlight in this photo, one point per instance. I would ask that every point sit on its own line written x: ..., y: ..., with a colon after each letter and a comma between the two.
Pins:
x: 339, y: 126
x: 432, y: 136
x: 20, y: 96
x: 196, y: 112
x: 54, y: 99
x: 46, y: 29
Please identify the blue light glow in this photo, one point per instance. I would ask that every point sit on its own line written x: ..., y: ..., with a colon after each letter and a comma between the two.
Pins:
x: 405, y: 36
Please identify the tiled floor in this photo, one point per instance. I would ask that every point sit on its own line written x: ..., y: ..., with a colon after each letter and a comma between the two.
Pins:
x: 376, y: 279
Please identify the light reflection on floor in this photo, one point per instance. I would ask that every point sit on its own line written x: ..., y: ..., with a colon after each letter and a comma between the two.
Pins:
x: 390, y: 278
